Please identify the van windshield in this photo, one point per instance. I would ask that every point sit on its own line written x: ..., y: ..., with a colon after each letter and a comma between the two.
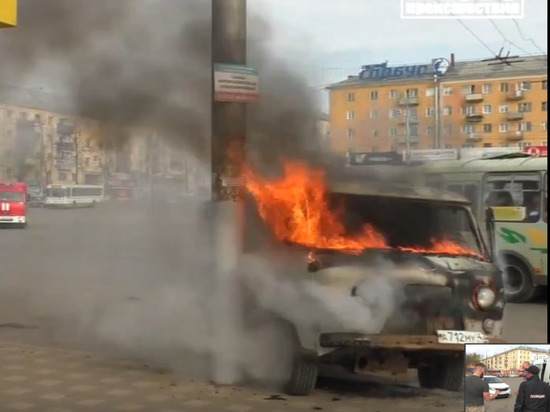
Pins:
x: 408, y: 223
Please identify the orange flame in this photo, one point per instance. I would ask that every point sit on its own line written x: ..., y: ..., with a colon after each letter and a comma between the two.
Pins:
x: 296, y: 210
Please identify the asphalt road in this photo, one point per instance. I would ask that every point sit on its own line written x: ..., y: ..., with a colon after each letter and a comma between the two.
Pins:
x: 124, y: 287
x: 505, y: 404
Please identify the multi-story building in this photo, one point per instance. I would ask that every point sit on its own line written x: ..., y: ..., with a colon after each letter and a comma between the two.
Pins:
x: 42, y: 141
x: 511, y: 360
x: 478, y: 104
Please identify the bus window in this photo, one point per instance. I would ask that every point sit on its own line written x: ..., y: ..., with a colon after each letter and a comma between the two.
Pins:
x: 434, y: 181
x: 521, y: 191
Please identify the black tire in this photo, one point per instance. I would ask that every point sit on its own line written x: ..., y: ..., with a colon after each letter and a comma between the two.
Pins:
x: 427, y: 377
x: 304, y: 375
x: 518, y: 280
x: 450, y: 372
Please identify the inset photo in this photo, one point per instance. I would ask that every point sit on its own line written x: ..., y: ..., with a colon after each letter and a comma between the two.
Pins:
x: 507, y: 378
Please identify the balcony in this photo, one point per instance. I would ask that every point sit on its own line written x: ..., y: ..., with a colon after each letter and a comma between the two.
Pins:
x: 474, y: 137
x: 515, y: 95
x: 514, y: 136
x: 409, y: 101
x: 473, y: 97
x: 412, y: 139
x: 65, y: 164
x: 411, y: 119
x: 65, y: 128
x: 474, y: 117
x: 515, y: 116
x: 65, y: 146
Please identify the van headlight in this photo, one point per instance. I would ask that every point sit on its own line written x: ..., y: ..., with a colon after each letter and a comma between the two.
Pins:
x: 484, y: 297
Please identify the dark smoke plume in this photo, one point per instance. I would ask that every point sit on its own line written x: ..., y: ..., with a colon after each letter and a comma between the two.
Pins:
x: 147, y: 63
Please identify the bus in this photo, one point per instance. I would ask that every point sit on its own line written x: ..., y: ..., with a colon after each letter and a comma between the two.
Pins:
x: 516, y: 188
x: 13, y: 197
x: 67, y: 196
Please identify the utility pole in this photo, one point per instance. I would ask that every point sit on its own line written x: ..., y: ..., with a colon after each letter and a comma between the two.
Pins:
x: 228, y: 150
x: 407, y: 130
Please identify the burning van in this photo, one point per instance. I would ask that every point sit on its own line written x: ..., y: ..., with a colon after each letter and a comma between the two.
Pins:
x: 409, y: 264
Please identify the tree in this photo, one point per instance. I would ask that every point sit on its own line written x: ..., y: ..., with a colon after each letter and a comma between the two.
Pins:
x: 472, y: 358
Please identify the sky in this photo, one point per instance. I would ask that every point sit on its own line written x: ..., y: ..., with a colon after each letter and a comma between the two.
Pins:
x: 490, y: 350
x: 329, y: 40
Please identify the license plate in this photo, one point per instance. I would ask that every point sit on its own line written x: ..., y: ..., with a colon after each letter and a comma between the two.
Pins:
x: 460, y: 336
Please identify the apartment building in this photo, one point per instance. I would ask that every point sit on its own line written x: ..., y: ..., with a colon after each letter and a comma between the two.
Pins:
x: 479, y: 104
x: 43, y: 141
x: 512, y: 359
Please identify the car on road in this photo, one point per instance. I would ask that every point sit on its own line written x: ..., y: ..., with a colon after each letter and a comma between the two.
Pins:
x: 447, y: 296
x: 495, y: 383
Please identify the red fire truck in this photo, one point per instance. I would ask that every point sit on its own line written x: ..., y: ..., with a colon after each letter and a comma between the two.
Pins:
x: 13, y: 211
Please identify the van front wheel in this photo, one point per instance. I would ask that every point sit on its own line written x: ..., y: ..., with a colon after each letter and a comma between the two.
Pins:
x: 304, y: 375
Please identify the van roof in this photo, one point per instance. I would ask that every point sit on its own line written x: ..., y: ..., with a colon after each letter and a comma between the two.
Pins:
x: 383, y: 189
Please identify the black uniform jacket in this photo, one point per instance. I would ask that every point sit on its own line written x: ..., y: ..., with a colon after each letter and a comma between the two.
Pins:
x: 533, y: 396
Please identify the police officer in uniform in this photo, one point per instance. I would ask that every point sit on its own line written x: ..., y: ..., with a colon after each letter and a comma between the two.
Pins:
x: 533, y: 394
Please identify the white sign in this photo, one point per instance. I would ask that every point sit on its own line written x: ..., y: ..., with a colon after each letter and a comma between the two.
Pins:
x: 440, y: 66
x: 232, y: 181
x: 424, y: 155
x: 486, y: 153
x: 462, y: 9
x: 234, y: 83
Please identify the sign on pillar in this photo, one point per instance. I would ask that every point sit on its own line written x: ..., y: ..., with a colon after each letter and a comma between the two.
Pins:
x: 8, y: 13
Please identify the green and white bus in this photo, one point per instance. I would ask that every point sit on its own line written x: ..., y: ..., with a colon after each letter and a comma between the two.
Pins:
x: 67, y: 196
x: 516, y: 188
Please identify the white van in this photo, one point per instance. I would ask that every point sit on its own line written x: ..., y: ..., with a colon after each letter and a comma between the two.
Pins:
x: 544, y: 373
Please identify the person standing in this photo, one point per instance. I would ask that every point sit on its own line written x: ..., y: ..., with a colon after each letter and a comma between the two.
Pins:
x: 524, y: 367
x: 533, y: 394
x: 476, y: 390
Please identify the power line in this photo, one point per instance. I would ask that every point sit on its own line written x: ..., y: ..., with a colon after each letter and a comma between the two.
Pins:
x: 506, y: 38
x: 528, y: 39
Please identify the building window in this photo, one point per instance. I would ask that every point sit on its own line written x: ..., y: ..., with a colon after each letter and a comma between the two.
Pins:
x: 487, y: 145
x: 374, y: 133
x: 503, y: 127
x: 525, y: 107
x: 413, y: 131
x: 543, y: 126
x: 524, y: 86
x: 430, y: 92
x: 448, y: 129
x: 374, y: 95
x: 373, y: 114
x: 430, y: 111
x: 447, y: 91
x: 62, y: 176
x: 394, y: 94
x: 487, y: 109
x: 525, y: 127
x: 393, y: 131
x: 430, y: 130
x: 487, y: 128
x: 469, y: 89
x: 543, y: 143
x: 350, y: 115
x: 504, y: 87
x: 448, y: 146
x: 545, y: 85
x: 487, y: 88
x: 351, y: 133
x: 412, y: 92
x: 469, y: 110
x: 447, y: 111
x: 544, y: 106
x: 394, y: 113
x: 351, y: 97
x: 468, y: 129
x: 523, y: 145
x: 503, y: 108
